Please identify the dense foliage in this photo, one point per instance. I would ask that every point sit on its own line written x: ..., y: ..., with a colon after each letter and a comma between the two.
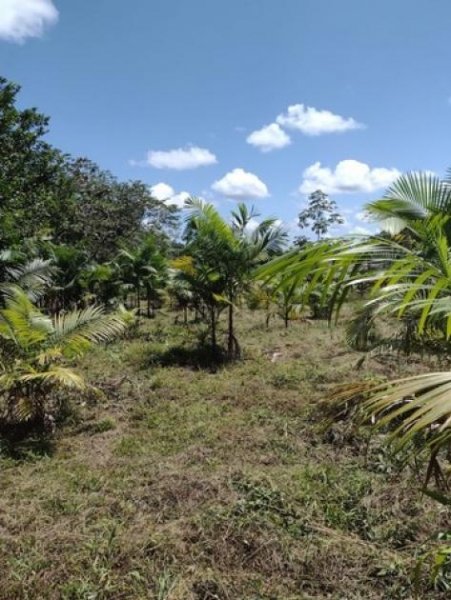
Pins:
x: 65, y: 226
x: 47, y: 196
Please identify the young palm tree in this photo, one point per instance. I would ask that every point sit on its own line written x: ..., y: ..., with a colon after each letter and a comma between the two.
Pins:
x: 281, y: 298
x: 288, y: 297
x: 35, y: 351
x: 223, y: 256
x: 66, y: 288
x: 144, y: 267
x: 411, y: 200
x: 101, y: 283
x: 409, y: 277
x: 181, y: 293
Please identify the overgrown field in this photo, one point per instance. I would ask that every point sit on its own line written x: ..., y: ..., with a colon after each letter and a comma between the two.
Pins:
x: 187, y: 480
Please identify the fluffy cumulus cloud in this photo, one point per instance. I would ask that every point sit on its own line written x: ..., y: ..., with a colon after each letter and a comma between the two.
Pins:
x: 22, y: 19
x: 311, y: 121
x: 162, y: 191
x: 181, y: 159
x: 270, y: 137
x: 349, y: 176
x: 241, y: 185
x: 165, y: 193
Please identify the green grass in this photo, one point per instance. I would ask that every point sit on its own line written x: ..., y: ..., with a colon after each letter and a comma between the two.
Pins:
x: 192, y: 480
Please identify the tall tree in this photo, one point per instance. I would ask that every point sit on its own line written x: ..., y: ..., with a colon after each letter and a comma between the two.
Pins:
x: 31, y: 171
x: 46, y: 194
x: 108, y: 214
x: 320, y: 214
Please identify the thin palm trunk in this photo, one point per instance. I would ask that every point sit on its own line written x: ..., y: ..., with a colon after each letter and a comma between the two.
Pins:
x: 138, y: 298
x: 213, y: 327
x: 231, y: 337
x: 148, y: 301
x: 233, y: 347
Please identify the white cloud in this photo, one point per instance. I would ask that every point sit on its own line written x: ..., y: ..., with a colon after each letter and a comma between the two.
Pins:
x: 270, y: 137
x: 178, y: 199
x: 137, y: 163
x: 181, y: 158
x: 349, y: 176
x: 22, y: 19
x: 312, y: 121
x: 252, y: 225
x: 165, y: 193
x: 239, y: 185
x: 162, y: 191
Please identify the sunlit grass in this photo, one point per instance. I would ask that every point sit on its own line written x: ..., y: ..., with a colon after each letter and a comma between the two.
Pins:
x: 190, y: 479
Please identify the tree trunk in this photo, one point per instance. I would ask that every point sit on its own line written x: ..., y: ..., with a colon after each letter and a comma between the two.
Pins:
x: 185, y: 315
x: 213, y: 327
x: 230, y: 341
x: 148, y: 300
x: 138, y: 299
x: 287, y: 318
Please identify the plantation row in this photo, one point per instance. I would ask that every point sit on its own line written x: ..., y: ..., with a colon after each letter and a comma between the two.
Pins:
x: 85, y: 258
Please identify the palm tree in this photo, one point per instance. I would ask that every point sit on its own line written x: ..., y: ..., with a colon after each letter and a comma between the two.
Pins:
x: 144, y: 266
x: 101, y: 283
x: 70, y: 267
x: 223, y: 257
x: 181, y: 293
x: 206, y: 287
x: 284, y: 296
x: 408, y: 275
x: 288, y: 297
x: 410, y: 201
x: 35, y: 351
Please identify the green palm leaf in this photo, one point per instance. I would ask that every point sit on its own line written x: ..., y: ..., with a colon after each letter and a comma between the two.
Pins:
x: 74, y: 332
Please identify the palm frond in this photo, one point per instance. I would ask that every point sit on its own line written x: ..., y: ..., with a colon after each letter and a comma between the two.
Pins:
x: 57, y: 375
x: 21, y: 322
x: 74, y: 332
x: 33, y: 277
x: 412, y: 197
x: 408, y: 407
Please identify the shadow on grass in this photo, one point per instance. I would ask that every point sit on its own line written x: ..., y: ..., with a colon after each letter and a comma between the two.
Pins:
x: 26, y: 449
x: 199, y: 358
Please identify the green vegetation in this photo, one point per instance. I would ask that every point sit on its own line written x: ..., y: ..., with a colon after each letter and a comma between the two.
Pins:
x: 320, y: 214
x: 187, y: 478
x: 145, y: 454
x: 407, y: 279
x: 220, y: 259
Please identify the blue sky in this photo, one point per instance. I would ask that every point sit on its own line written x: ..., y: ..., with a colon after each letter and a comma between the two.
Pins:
x: 181, y: 92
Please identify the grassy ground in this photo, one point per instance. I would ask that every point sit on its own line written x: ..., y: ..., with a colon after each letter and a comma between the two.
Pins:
x: 189, y: 481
